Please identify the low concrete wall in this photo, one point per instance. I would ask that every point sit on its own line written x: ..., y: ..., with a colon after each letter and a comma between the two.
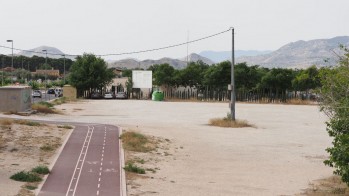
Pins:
x: 15, y: 98
x: 69, y: 92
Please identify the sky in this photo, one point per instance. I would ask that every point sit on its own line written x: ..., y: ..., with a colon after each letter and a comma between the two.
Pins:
x: 116, y: 26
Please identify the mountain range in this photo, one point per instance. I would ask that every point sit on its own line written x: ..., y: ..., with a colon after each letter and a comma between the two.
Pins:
x: 52, y: 52
x: 176, y: 63
x: 299, y: 54
x: 219, y: 56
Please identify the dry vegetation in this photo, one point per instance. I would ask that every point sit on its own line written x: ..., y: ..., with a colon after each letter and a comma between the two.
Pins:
x: 228, y: 123
x: 143, y: 155
x: 24, y: 145
x: 326, y: 187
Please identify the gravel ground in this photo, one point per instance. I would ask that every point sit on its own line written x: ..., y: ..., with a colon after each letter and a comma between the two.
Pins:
x: 282, y: 155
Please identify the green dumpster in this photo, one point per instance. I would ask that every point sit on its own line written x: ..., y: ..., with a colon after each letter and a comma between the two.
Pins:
x: 157, y: 96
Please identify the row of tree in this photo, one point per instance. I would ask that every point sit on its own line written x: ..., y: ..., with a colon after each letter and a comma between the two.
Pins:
x: 33, y: 63
x: 199, y: 75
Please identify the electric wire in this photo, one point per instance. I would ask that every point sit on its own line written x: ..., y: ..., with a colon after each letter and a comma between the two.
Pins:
x: 124, y: 53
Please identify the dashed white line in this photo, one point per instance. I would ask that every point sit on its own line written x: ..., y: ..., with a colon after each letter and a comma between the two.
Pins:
x: 97, y: 192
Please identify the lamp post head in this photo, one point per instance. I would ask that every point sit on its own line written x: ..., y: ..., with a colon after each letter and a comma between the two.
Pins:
x: 9, y: 40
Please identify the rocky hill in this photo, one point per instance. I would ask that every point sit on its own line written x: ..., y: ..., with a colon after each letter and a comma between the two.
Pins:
x: 176, y: 63
x: 219, y: 56
x: 52, y: 52
x: 301, y: 54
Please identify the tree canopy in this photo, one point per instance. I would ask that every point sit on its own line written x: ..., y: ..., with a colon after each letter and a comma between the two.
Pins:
x: 90, y: 73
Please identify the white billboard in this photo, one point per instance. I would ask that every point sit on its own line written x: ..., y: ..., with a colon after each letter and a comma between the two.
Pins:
x: 142, y: 79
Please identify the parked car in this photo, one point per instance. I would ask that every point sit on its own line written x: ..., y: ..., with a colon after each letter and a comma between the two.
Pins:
x: 51, y: 91
x: 121, y: 95
x: 58, y: 92
x: 37, y: 93
x: 95, y: 95
x: 108, y: 95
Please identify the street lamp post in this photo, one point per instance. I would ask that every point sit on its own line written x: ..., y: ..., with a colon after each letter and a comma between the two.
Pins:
x: 64, y: 68
x: 45, y: 72
x: 9, y: 40
x: 2, y: 71
x: 232, y: 99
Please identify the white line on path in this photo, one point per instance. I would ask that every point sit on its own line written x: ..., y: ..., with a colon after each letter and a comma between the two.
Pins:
x: 87, y: 139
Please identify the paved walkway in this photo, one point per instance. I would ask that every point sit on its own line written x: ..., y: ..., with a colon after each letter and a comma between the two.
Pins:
x: 88, y: 165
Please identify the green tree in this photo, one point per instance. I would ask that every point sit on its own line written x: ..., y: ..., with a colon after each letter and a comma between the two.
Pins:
x: 218, y: 76
x: 163, y: 74
x: 127, y: 73
x: 192, y: 75
x: 248, y: 77
x: 278, y: 80
x: 335, y: 103
x: 89, y: 73
x: 307, y: 79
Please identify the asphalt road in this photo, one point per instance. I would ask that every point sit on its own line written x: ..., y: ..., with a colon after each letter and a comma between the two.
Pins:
x: 88, y: 164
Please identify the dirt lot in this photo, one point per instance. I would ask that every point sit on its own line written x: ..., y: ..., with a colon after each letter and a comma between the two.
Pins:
x: 282, y: 155
x: 23, y: 146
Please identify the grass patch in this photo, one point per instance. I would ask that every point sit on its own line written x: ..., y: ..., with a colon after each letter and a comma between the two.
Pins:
x: 28, y: 123
x: 228, y: 123
x: 300, y: 102
x: 60, y: 101
x: 41, y: 170
x: 47, y: 147
x: 136, y: 142
x: 219, y: 122
x: 151, y: 170
x: 130, y: 167
x: 30, y: 187
x: 43, y: 108
x: 45, y: 103
x: 65, y: 126
x: 6, y: 122
x: 24, y: 176
x: 328, y: 186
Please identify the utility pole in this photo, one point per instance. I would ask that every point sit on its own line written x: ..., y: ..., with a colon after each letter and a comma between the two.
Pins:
x: 64, y: 68
x: 232, y: 99
x: 10, y: 40
x: 2, y: 71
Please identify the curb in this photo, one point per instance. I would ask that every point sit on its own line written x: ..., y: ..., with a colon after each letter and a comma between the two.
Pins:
x: 37, y: 191
x: 123, y: 187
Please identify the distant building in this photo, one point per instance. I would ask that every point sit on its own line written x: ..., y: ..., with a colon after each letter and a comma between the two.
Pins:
x: 51, y: 72
x: 117, y: 71
x: 8, y: 69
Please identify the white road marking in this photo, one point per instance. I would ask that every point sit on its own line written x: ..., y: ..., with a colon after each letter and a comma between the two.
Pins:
x: 99, y: 179
x: 97, y: 192
x: 99, y: 185
x: 87, y: 140
x: 100, y: 173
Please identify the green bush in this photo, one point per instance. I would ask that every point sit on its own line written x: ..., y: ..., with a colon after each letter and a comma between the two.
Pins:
x: 41, y: 170
x: 130, y: 167
x: 24, y: 176
x: 335, y: 103
x: 50, y: 105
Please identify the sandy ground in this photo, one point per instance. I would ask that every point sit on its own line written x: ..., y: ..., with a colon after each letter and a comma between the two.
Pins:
x: 20, y: 150
x: 281, y: 156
